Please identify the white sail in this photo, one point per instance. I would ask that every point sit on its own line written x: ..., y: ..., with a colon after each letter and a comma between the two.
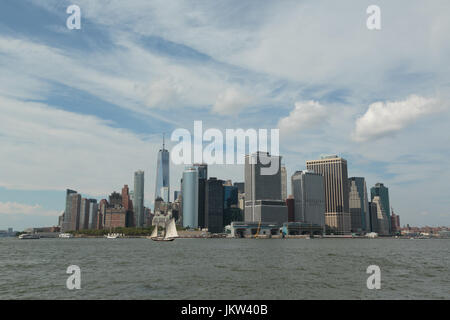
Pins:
x: 154, y: 232
x: 171, y: 230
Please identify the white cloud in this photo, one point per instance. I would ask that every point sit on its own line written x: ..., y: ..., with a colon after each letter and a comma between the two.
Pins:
x: 305, y: 115
x: 14, y: 208
x: 385, y: 118
x: 44, y: 148
x: 231, y: 101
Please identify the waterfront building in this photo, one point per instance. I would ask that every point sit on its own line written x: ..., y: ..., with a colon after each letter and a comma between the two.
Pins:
x: 290, y: 203
x: 175, y: 195
x: 382, y: 218
x: 283, y: 174
x: 230, y: 196
x: 67, y: 221
x: 373, y: 220
x: 263, y: 191
x: 214, y: 206
x: 74, y: 211
x: 162, y: 188
x: 383, y: 192
x: 359, y: 205
x: 84, y: 214
x: 126, y: 199
x: 395, y: 223
x: 334, y: 171
x: 309, y: 197
x: 202, y: 169
x: 138, y: 198
x: 190, y: 197
x: 93, y: 213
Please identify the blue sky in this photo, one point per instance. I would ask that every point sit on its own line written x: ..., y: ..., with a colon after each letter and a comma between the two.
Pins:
x: 84, y: 109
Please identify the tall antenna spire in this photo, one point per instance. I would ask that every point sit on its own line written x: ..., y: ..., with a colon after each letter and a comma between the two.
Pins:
x: 163, y: 142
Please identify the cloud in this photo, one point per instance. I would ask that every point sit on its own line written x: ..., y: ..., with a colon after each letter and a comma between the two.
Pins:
x: 46, y: 148
x: 14, y: 208
x: 231, y: 101
x: 304, y: 116
x: 385, y: 118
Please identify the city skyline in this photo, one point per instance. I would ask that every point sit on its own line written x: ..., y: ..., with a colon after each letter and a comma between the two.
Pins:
x: 84, y: 109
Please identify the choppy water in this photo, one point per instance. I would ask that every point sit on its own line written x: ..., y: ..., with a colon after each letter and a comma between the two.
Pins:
x: 224, y: 268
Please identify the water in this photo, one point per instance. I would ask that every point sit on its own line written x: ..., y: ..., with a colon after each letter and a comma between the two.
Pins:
x: 224, y: 268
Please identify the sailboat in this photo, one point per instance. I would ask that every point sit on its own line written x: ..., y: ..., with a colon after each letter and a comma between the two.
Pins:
x: 170, y: 232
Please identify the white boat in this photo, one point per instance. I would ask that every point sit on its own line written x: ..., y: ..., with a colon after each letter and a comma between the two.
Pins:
x: 29, y: 236
x: 113, y: 235
x: 372, y: 235
x: 66, y: 235
x: 170, y: 232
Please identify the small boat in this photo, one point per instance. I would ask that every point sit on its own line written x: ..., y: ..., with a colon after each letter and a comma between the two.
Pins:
x: 29, y: 236
x: 112, y: 235
x: 66, y: 235
x: 170, y: 232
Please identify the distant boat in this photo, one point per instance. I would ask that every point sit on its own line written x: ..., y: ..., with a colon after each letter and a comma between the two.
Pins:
x: 66, y: 235
x: 372, y: 235
x: 29, y: 236
x: 113, y: 235
x: 170, y: 232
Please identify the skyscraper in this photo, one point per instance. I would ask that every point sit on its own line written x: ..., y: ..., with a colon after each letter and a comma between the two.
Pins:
x: 283, y: 183
x: 138, y: 201
x: 263, y: 192
x: 84, y: 214
x: 202, y: 170
x: 93, y: 213
x: 67, y: 218
x: 309, y: 197
x: 382, y: 218
x: 214, y: 205
x: 359, y: 204
x: 189, y: 191
x: 162, y: 188
x: 383, y: 192
x: 334, y: 171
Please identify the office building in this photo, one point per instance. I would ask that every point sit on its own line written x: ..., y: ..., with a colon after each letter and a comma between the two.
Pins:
x: 283, y: 183
x: 190, y: 197
x: 84, y: 214
x: 334, y: 171
x: 93, y: 214
x: 214, y: 206
x: 359, y: 205
x: 67, y: 221
x: 263, y: 191
x: 138, y: 199
x: 309, y: 197
x: 240, y: 186
x: 383, y: 192
x: 162, y: 188
x: 373, y: 217
x: 290, y: 203
x: 382, y: 218
x: 202, y: 170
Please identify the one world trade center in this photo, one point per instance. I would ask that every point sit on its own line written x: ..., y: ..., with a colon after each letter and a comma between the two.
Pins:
x: 162, y: 189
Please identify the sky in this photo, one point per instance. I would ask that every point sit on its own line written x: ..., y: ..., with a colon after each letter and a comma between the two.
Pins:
x: 84, y: 109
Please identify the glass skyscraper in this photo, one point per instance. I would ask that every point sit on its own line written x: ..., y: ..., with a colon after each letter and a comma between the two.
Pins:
x: 162, y: 188
x: 383, y: 192
x: 359, y: 204
x: 138, y: 198
x: 190, y: 197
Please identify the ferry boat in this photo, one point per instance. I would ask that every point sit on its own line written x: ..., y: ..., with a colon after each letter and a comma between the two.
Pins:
x: 66, y: 235
x: 170, y: 232
x: 29, y: 236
